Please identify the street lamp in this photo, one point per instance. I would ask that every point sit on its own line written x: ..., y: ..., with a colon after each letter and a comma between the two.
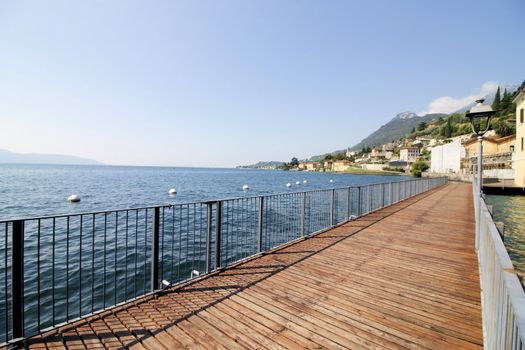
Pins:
x: 479, y: 117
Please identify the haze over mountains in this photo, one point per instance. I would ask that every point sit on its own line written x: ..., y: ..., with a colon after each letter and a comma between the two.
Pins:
x: 41, y: 158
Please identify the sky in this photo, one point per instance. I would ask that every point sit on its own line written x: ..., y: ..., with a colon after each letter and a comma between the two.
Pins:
x: 221, y: 83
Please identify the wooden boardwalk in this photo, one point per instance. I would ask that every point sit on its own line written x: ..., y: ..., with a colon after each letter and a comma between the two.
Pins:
x: 402, y: 277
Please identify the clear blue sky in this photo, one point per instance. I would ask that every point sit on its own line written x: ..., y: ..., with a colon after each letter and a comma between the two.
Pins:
x: 222, y: 83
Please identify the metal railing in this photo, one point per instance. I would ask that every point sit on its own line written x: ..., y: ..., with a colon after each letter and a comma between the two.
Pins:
x: 57, y: 269
x: 502, y: 295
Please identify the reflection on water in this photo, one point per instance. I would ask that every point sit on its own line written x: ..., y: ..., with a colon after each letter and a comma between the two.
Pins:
x: 511, y: 211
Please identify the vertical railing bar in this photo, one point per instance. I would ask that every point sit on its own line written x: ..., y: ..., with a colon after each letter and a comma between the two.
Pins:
x: 80, y: 268
x: 180, y: 242
x: 208, y: 236
x: 93, y: 265
x: 67, y: 268
x: 172, y: 243
x: 115, y: 267
x: 194, y: 231
x: 349, y: 203
x: 6, y: 244
x: 358, y: 201
x: 260, y: 223
x: 218, y: 224
x: 126, y: 257
x: 38, y: 275
x: 161, y: 262
x: 187, y: 206
x: 155, y: 249
x: 145, y: 251
x: 53, y: 270
x: 135, y: 270
x: 332, y: 207
x: 200, y: 236
x: 303, y: 212
x: 104, y: 264
x: 17, y: 279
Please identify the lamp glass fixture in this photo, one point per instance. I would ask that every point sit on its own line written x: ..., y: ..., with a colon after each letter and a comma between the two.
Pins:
x: 479, y: 117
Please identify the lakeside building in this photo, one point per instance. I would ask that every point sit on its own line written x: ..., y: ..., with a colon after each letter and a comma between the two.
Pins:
x: 350, y: 153
x: 497, y: 156
x: 309, y: 166
x: 340, y: 165
x: 409, y: 154
x: 447, y: 158
x: 519, y: 100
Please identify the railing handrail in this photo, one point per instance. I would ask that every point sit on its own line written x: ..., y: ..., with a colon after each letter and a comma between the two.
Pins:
x: 507, y: 312
x: 203, y: 202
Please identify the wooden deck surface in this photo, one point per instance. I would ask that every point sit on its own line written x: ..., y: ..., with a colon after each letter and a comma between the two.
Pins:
x: 402, y: 277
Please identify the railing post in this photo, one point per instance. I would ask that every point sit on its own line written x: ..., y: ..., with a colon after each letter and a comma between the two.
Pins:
x: 208, y: 236
x: 359, y: 201
x: 382, y: 195
x: 260, y: 225
x: 303, y: 212
x: 332, y: 207
x: 218, y: 218
x: 369, y: 199
x: 155, y: 249
x: 17, y: 275
x: 349, y: 203
x: 390, y: 194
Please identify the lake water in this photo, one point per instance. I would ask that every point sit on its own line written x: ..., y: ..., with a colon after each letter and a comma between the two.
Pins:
x: 77, y: 264
x: 509, y: 210
x: 37, y: 190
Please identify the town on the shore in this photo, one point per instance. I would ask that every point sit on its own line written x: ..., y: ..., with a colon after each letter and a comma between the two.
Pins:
x: 442, y: 146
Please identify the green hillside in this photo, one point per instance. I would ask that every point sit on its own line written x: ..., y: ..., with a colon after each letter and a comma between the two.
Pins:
x: 394, y: 130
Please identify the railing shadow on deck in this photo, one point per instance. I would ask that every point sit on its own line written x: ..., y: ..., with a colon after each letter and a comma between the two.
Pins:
x: 225, y: 283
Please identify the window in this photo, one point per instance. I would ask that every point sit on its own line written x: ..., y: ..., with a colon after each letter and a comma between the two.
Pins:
x: 521, y: 115
x: 522, y: 143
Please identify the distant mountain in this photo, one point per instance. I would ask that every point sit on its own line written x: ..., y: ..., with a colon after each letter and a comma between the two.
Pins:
x: 40, y: 158
x: 406, y: 115
x: 398, y: 127
x: 263, y: 165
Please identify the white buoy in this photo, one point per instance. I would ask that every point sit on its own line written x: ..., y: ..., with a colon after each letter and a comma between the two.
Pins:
x: 304, y: 181
x: 297, y: 182
x: 194, y: 273
x: 73, y: 198
x: 165, y: 283
x: 245, y: 188
x: 172, y: 191
x: 331, y: 180
x: 288, y: 185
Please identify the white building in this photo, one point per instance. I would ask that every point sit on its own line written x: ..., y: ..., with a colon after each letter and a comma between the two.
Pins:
x: 409, y: 154
x: 447, y: 158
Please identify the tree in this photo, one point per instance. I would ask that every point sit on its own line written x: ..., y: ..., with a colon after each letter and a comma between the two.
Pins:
x: 503, y: 128
x: 497, y: 100
x: 340, y: 156
x: 329, y: 157
x: 418, y: 168
x: 422, y: 126
x: 506, y: 100
x: 448, y: 129
x: 294, y: 162
x: 413, y: 130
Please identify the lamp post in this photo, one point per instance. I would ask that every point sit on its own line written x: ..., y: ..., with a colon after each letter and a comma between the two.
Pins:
x: 479, y: 117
